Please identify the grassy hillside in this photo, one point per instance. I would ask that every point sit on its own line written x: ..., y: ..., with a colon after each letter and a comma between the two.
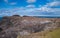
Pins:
x: 54, y: 34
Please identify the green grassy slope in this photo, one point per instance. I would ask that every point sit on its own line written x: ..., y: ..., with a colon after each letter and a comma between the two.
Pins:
x: 54, y: 34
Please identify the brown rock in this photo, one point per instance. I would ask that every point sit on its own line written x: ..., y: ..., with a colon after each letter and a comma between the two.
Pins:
x: 11, y: 26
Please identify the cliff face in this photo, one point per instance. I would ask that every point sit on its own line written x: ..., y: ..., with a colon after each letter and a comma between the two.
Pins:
x: 11, y: 26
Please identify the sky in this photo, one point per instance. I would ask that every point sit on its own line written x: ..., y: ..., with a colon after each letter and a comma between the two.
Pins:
x: 30, y: 7
x: 21, y: 3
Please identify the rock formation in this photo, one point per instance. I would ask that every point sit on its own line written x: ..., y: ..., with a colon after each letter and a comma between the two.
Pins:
x: 12, y: 25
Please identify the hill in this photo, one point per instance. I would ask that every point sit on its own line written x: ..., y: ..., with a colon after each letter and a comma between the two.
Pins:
x: 11, y: 26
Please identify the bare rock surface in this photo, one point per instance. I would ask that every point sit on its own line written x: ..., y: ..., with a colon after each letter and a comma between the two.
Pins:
x: 11, y: 26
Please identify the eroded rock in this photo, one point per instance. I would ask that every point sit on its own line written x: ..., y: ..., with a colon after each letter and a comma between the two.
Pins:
x: 26, y: 25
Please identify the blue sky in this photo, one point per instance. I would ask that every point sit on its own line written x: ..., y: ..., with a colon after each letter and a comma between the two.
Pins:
x: 20, y: 3
x: 30, y: 7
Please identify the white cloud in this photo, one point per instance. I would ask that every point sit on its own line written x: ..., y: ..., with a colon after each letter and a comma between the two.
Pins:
x: 30, y: 6
x: 6, y: 1
x: 48, y: 6
x: 13, y: 3
x: 31, y: 1
x: 31, y: 10
x: 10, y: 3
x: 55, y: 3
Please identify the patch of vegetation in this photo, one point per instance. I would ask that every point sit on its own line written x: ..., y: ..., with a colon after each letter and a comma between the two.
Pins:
x: 54, y: 34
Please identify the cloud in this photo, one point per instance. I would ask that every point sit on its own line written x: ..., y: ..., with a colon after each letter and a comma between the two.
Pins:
x: 47, y: 7
x: 6, y: 1
x: 13, y: 3
x: 10, y: 3
x: 55, y: 3
x: 31, y: 1
x: 32, y: 10
x: 30, y: 6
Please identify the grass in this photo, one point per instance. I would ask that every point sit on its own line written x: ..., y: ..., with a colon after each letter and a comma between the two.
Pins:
x: 54, y: 34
